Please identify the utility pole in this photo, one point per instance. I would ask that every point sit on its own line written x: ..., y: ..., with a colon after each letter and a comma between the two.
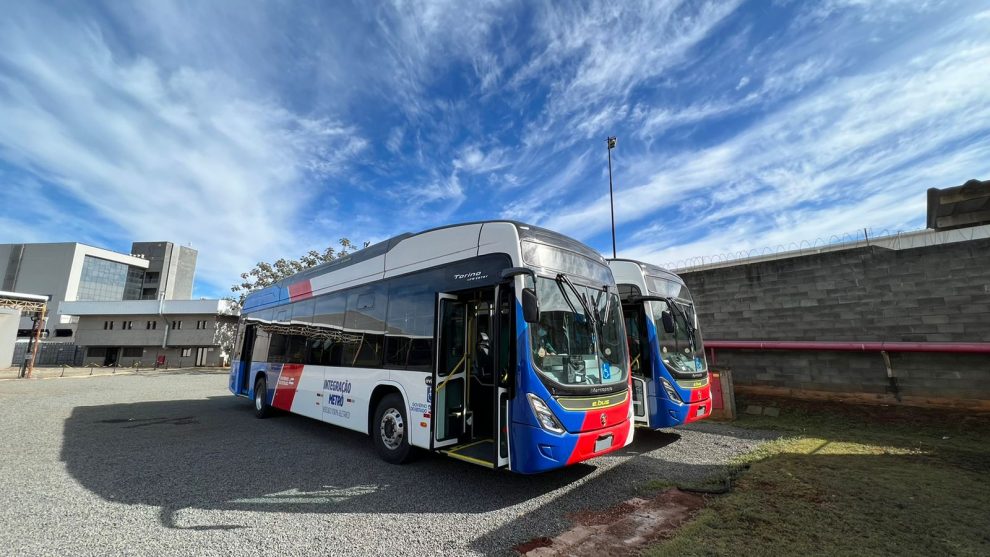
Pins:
x: 611, y: 201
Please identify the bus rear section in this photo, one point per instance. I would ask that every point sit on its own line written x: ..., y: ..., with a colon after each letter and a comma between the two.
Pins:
x: 671, y: 383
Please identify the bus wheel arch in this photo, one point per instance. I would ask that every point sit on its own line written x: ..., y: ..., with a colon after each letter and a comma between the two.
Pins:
x: 388, y: 424
x: 380, y: 392
x: 261, y: 407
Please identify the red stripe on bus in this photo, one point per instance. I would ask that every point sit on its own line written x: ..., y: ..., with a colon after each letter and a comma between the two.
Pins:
x: 300, y: 290
x: 285, y: 387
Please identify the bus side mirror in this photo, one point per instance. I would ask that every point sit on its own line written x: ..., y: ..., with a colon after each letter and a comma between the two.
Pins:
x: 530, y: 306
x: 668, y: 322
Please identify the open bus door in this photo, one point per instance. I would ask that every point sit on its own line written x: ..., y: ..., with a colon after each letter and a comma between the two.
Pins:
x: 450, y: 373
x: 470, y: 395
x: 247, y: 350
x: 505, y: 367
x: 639, y: 361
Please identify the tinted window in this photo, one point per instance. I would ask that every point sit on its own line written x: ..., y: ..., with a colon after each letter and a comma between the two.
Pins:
x: 364, y: 326
x: 278, y: 346
x: 329, y: 309
x: 409, y: 344
x: 303, y: 311
x: 261, y: 342
x: 264, y: 315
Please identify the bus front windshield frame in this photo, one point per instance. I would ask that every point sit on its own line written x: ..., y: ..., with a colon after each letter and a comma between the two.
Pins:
x: 575, y: 352
x: 682, y: 352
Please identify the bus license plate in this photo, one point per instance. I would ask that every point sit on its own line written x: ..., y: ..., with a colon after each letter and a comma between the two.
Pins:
x: 701, y: 411
x: 604, y: 442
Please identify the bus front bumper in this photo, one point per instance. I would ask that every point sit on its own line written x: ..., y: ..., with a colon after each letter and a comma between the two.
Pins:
x: 670, y: 414
x: 536, y: 450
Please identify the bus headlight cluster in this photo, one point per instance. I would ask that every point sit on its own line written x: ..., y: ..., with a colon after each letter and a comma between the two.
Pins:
x: 671, y: 391
x: 544, y: 415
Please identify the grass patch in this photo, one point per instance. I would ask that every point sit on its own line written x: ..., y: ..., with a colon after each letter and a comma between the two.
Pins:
x: 852, y: 481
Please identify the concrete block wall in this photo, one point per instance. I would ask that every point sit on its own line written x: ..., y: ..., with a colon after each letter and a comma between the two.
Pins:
x: 927, y: 294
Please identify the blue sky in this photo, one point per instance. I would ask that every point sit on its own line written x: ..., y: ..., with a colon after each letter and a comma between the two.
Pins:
x: 255, y: 130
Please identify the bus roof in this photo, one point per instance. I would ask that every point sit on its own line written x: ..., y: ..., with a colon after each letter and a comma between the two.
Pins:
x: 652, y: 270
x: 281, y: 290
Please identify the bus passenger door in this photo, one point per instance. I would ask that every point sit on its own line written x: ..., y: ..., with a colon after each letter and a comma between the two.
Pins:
x: 505, y: 370
x: 450, y: 374
x: 247, y: 351
x: 639, y: 363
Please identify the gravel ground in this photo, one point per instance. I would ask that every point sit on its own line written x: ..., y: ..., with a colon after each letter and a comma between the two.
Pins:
x: 172, y: 463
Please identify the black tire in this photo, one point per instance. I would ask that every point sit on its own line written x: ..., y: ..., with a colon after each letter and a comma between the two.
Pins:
x: 261, y: 408
x: 390, y: 430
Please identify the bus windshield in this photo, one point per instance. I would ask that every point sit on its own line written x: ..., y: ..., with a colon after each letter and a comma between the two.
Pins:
x: 682, y: 351
x: 572, y: 347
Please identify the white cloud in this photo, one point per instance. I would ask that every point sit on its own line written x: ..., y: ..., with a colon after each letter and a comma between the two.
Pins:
x: 849, y: 149
x: 473, y: 159
x: 395, y: 139
x: 596, y: 55
x: 183, y: 155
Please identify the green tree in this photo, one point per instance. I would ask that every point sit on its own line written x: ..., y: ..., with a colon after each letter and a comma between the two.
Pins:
x: 266, y: 274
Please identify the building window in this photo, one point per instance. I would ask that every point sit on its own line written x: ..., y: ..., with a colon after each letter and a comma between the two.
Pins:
x: 186, y: 352
x: 108, y: 325
x: 152, y: 325
x: 128, y: 325
x: 201, y: 324
x: 133, y: 352
x: 151, y: 277
x: 103, y: 280
x: 96, y: 352
x: 177, y: 325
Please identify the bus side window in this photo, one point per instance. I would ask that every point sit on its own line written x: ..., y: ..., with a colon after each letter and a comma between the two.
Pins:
x: 409, y: 337
x: 364, y: 320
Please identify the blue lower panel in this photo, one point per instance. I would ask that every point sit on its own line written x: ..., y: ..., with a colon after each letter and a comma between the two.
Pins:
x: 666, y: 413
x: 536, y: 450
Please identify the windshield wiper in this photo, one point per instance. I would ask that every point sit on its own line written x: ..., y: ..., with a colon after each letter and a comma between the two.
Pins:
x: 688, y: 326
x: 608, y: 305
x: 584, y: 304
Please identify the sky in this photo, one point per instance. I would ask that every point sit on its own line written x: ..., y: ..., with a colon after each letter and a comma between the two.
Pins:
x: 257, y: 130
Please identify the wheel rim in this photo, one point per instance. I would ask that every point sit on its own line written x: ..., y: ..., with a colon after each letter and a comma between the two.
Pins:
x: 259, y: 402
x: 392, y: 429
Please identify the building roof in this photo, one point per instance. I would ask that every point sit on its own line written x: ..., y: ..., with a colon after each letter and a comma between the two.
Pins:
x: 150, y: 307
x: 23, y: 296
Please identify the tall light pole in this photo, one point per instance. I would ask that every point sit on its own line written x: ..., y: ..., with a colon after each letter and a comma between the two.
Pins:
x: 611, y: 145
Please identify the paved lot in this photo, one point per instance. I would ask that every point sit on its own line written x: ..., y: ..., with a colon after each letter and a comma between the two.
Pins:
x: 154, y: 463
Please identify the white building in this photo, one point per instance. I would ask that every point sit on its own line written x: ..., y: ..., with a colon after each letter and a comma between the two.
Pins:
x: 70, y: 271
x: 176, y: 333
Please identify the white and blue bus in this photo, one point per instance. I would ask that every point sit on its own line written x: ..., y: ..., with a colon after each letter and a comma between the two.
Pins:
x: 497, y: 343
x: 671, y: 384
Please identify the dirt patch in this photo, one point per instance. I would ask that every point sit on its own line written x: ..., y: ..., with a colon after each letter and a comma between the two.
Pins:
x: 624, y: 529
x: 525, y: 548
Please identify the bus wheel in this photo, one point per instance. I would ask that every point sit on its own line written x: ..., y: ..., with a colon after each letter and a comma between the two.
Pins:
x: 391, y: 430
x: 261, y: 407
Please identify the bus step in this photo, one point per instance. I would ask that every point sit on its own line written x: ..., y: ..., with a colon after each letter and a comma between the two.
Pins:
x: 480, y: 452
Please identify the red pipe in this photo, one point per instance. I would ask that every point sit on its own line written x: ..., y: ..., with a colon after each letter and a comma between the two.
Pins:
x: 882, y: 346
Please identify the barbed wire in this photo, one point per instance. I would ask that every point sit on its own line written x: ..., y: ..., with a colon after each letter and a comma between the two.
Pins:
x: 868, y: 236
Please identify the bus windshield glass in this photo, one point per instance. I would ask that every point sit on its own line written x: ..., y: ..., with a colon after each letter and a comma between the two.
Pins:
x: 579, y: 340
x: 682, y: 351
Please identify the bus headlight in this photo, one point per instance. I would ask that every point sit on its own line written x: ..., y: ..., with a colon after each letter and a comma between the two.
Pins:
x: 671, y: 391
x: 544, y: 415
